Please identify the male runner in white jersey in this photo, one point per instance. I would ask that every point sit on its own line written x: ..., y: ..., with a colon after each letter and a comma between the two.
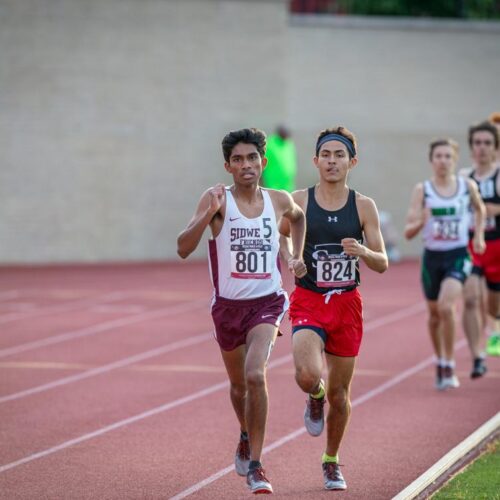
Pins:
x: 484, y: 147
x: 248, y: 302
x: 440, y: 207
x: 326, y: 308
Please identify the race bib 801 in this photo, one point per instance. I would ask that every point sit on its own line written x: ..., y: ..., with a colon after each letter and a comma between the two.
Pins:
x: 251, y: 263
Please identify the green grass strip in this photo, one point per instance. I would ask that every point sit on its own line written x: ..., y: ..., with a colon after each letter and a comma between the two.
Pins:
x: 478, y: 481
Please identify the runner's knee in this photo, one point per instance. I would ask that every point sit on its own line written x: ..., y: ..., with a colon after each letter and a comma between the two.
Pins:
x: 445, y: 309
x: 494, y: 305
x: 338, y: 398
x: 255, y: 378
x: 238, y: 390
x: 434, y: 319
x: 308, y: 379
x: 471, y: 301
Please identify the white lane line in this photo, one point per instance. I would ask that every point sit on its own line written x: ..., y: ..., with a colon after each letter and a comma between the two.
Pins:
x: 396, y: 316
x: 451, y: 458
x: 130, y: 420
x: 161, y: 350
x: 118, y: 309
x: 108, y: 367
x: 168, y: 406
x: 102, y: 327
x: 67, y: 306
x: 8, y: 295
x: 116, y: 425
x: 298, y: 432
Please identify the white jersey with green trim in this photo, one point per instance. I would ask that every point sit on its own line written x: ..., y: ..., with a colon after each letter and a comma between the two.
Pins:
x: 448, y: 225
x: 244, y: 256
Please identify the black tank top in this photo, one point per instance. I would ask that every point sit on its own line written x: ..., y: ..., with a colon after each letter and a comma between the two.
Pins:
x: 488, y: 192
x: 328, y: 268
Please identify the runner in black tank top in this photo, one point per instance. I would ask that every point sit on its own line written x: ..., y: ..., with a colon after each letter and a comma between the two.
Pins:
x: 326, y: 308
x: 484, y: 144
x: 489, y: 194
x: 327, y: 265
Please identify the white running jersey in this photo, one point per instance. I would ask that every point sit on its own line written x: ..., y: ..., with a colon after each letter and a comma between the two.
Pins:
x: 448, y: 224
x: 243, y: 258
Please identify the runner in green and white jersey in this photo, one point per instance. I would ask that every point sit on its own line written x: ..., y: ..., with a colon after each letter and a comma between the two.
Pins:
x: 439, y: 208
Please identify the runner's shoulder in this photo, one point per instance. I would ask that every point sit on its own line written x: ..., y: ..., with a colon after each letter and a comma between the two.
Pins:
x: 465, y: 171
x: 300, y: 197
x: 364, y: 201
x: 282, y: 200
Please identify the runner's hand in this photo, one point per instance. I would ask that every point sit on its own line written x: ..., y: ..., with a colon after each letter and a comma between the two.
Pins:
x: 478, y: 244
x: 297, y: 267
x: 352, y: 247
x: 216, y: 198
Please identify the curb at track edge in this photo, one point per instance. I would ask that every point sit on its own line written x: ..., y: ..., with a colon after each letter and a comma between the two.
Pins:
x: 434, y: 477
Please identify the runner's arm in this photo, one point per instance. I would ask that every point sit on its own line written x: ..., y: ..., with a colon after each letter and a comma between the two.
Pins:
x: 492, y: 209
x: 479, y: 217
x: 373, y: 251
x: 293, y: 223
x: 415, y: 220
x: 208, y: 207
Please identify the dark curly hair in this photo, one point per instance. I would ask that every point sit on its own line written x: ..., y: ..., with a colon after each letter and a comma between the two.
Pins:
x: 247, y: 136
x: 484, y: 127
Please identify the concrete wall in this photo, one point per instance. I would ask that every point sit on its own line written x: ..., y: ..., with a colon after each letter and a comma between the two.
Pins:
x: 112, y: 111
x: 397, y: 84
x: 112, y: 114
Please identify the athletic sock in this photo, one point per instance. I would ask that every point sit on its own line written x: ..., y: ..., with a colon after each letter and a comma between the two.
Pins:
x: 321, y: 393
x: 254, y: 464
x: 329, y: 459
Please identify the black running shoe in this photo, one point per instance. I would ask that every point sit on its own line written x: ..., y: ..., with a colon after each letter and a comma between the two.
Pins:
x: 479, y: 368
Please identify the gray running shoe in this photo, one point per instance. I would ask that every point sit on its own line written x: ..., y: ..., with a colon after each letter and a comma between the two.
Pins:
x: 257, y: 481
x: 242, y: 457
x: 334, y: 480
x: 439, y: 377
x: 314, y: 416
x: 449, y: 380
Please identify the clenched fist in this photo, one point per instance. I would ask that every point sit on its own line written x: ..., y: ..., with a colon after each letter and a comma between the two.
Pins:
x: 297, y: 267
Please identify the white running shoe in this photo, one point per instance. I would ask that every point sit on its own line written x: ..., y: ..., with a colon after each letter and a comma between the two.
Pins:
x: 242, y: 457
x: 334, y: 480
x: 449, y: 380
x: 314, y: 415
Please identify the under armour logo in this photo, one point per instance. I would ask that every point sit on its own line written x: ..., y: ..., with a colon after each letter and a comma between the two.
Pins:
x: 332, y: 219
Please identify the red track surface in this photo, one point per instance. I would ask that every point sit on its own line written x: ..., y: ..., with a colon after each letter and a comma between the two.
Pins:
x: 112, y: 387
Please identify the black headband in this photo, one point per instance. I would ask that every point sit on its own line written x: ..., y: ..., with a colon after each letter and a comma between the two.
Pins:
x: 336, y: 137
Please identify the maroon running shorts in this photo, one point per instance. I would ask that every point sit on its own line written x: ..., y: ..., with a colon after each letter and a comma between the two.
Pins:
x: 233, y: 319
